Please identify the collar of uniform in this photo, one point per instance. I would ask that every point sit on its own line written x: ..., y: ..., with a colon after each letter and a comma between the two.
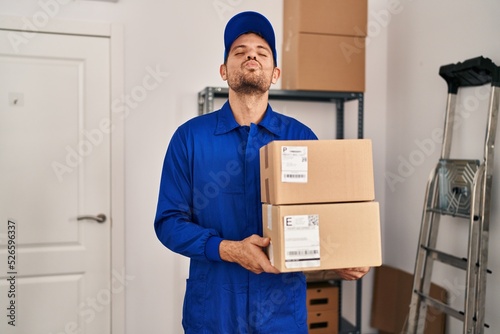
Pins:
x: 226, y: 122
x: 272, y: 121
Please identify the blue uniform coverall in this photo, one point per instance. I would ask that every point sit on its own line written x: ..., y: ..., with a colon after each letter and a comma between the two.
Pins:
x: 210, y: 191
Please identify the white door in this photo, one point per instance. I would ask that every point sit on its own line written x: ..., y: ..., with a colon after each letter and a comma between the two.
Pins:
x: 54, y: 169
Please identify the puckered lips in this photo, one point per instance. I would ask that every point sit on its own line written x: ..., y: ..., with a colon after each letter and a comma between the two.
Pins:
x: 251, y: 65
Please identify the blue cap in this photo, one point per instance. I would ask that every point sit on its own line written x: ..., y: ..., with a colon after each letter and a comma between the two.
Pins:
x: 247, y: 22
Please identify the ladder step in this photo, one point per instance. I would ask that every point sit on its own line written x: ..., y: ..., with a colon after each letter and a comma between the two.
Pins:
x: 445, y: 308
x: 448, y: 213
x: 455, y: 261
x: 441, y: 306
x: 452, y: 260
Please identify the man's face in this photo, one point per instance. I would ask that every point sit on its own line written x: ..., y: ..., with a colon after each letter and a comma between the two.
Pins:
x: 250, y: 66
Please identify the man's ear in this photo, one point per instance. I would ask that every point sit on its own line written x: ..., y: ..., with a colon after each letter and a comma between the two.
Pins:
x: 223, y: 72
x: 276, y: 75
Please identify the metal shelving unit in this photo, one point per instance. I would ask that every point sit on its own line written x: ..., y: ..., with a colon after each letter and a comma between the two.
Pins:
x: 208, y: 94
x: 206, y: 104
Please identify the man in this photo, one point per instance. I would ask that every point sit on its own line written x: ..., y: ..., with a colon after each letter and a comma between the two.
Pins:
x: 209, y: 206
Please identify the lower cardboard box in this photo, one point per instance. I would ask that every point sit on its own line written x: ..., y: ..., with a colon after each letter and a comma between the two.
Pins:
x: 308, y: 237
x: 323, y: 322
x: 322, y: 297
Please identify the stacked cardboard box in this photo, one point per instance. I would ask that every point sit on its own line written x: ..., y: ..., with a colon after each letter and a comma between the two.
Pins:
x: 324, y: 45
x: 318, y: 204
x: 323, y: 308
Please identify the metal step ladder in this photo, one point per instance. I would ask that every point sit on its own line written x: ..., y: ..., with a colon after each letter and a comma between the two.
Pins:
x: 460, y: 189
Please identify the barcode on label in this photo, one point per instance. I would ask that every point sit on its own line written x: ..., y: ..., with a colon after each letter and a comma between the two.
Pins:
x: 295, y: 176
x: 303, y: 252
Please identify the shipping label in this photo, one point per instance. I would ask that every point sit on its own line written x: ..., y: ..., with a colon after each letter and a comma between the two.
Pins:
x: 301, y: 241
x: 294, y: 164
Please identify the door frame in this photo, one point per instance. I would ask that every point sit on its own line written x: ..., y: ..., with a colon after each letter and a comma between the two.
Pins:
x: 113, y: 31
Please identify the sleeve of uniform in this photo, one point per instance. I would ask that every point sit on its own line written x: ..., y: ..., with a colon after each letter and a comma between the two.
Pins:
x: 307, y: 134
x: 173, y: 222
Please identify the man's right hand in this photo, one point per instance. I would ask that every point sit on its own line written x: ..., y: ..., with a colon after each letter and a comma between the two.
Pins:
x: 248, y: 253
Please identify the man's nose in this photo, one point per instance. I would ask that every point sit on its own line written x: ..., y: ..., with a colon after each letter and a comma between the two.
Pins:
x: 252, y: 54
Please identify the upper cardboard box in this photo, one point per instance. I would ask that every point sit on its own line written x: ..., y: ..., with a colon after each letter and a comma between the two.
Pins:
x: 332, y: 17
x: 316, y: 171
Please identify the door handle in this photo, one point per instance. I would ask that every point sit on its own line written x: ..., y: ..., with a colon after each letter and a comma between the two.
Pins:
x: 100, y: 218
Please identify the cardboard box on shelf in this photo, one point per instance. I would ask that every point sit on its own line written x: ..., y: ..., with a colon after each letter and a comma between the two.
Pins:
x: 391, y: 299
x: 323, y: 62
x: 323, y: 236
x: 332, y: 17
x: 317, y: 171
x: 323, y: 322
x: 322, y: 297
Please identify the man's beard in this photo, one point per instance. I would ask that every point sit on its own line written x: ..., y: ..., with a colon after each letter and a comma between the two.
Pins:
x: 251, y: 84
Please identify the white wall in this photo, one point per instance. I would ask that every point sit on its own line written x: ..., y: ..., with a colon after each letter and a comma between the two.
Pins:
x: 404, y: 102
x: 423, y: 36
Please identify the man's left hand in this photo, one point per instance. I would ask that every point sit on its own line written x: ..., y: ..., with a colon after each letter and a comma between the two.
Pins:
x: 352, y: 273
